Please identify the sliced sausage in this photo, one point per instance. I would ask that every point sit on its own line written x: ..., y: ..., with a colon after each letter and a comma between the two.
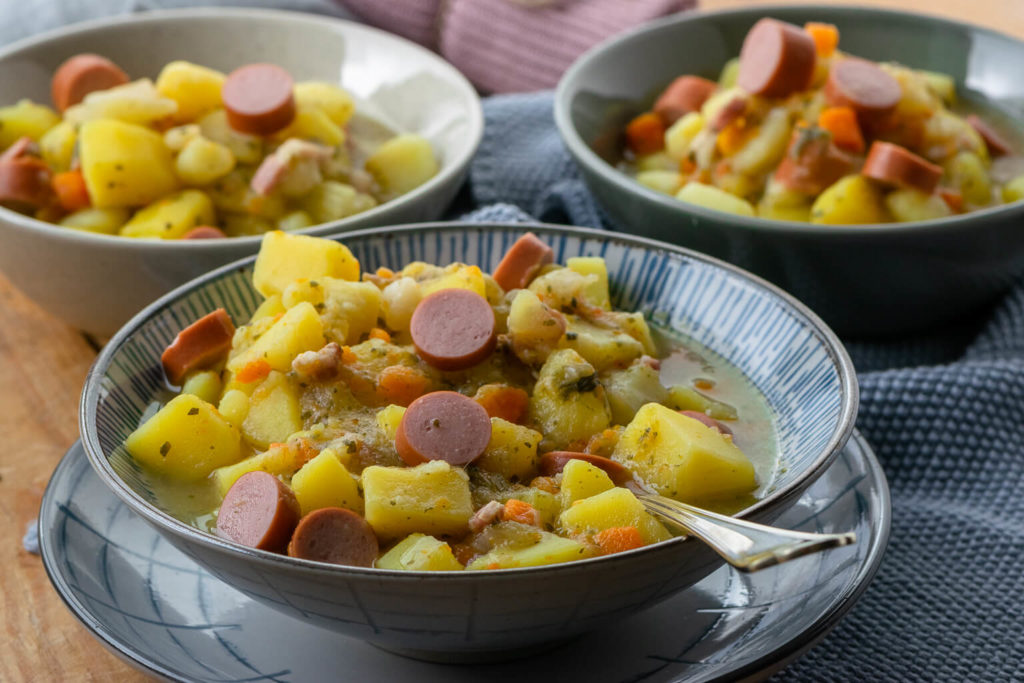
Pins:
x: 864, y: 87
x: 997, y: 145
x: 258, y: 99
x: 813, y: 162
x: 895, y: 165
x: 453, y: 329
x: 204, y: 232
x: 522, y: 262
x: 776, y: 60
x: 200, y: 344
x: 22, y: 147
x: 81, y: 75
x: 258, y: 511
x: 335, y: 535
x: 707, y: 420
x: 443, y: 425
x: 682, y: 96
x: 554, y: 462
x: 25, y: 183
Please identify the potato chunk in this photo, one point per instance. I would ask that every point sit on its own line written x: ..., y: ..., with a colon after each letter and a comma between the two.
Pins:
x: 569, y: 402
x: 594, y: 292
x: 630, y: 389
x: 612, y: 508
x: 282, y: 461
x: 185, y: 440
x: 582, y: 480
x: 329, y: 98
x: 403, y: 163
x: 602, y: 347
x: 299, y: 329
x: 348, y: 309
x: 711, y: 197
x: 430, y: 498
x: 124, y: 164
x: 171, y: 217
x: 388, y: 420
x: 512, y: 450
x: 325, y: 482
x: 852, y: 200
x: 195, y: 88
x: 25, y: 118
x: 550, y: 549
x: 683, y: 458
x: 418, y: 552
x: 274, y: 412
x: 285, y: 258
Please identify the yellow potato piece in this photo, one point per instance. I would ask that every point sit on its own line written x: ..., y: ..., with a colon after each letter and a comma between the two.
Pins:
x: 403, y: 163
x: 512, y: 450
x: 388, y: 420
x: 711, y: 197
x: 25, y: 118
x: 274, y: 412
x: 551, y: 549
x: 612, y: 508
x: 124, y: 164
x: 280, y: 461
x: 58, y: 146
x: 171, y: 217
x: 853, y: 200
x: 185, y: 440
x: 418, y: 552
x: 568, y: 401
x: 285, y: 258
x: 329, y: 98
x: 299, y: 329
x: 464, y: 277
x: 195, y: 88
x: 101, y: 221
x: 595, y: 293
x: 205, y: 384
x: 431, y: 498
x: 582, y: 480
x: 324, y: 482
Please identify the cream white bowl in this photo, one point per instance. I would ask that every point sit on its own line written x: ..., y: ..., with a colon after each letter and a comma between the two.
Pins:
x: 97, y: 282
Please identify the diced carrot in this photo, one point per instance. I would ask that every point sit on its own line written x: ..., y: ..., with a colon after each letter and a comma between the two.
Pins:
x: 703, y: 384
x: 687, y: 166
x: 734, y: 136
x: 501, y: 400
x: 954, y: 200
x: 545, y: 484
x: 646, y: 134
x: 380, y: 333
x: 842, y: 123
x: 604, y: 442
x: 253, y: 371
x: 348, y: 356
x: 618, y: 539
x: 825, y: 37
x: 71, y: 191
x: 494, y: 565
x: 385, y: 273
x: 401, y: 385
x: 520, y: 511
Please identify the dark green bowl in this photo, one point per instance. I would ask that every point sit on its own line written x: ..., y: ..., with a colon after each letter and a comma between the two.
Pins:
x: 865, y: 281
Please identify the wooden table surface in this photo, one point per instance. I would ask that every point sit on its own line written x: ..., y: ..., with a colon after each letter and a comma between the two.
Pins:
x: 43, y: 363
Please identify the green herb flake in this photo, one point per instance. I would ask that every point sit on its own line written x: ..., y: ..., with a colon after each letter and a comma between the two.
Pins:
x: 165, y: 449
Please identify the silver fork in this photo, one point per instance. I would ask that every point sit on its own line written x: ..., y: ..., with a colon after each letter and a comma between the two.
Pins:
x: 745, y: 545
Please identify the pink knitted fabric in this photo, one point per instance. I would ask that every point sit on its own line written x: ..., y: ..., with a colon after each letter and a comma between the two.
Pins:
x: 512, y: 45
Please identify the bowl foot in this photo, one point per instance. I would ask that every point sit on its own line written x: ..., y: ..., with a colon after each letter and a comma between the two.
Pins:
x: 474, y: 656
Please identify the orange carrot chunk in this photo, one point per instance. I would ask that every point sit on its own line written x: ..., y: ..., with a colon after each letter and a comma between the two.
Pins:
x: 501, y: 400
x: 520, y: 511
x: 401, y: 385
x: 618, y: 539
x: 646, y: 134
x: 253, y: 371
x: 379, y: 333
x: 825, y: 37
x: 841, y: 122
x: 71, y: 191
x: 954, y: 199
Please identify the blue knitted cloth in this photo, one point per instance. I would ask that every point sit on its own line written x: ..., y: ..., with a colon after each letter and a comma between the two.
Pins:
x: 945, y: 415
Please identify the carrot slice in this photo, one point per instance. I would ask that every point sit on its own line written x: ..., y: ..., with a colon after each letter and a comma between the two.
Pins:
x: 520, y: 511
x: 401, y: 385
x: 71, y: 191
x: 825, y: 37
x: 841, y: 122
x: 733, y: 137
x: 646, y: 134
x: 618, y: 539
x: 954, y: 199
x: 379, y: 333
x: 501, y: 400
x: 253, y: 371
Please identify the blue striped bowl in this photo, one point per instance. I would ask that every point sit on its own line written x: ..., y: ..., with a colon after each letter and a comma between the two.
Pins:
x: 787, y: 352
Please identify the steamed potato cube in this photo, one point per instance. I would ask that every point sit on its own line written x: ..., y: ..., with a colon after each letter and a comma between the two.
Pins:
x: 914, y: 205
x: 632, y: 388
x: 388, y: 420
x: 582, y: 480
x: 329, y: 98
x: 195, y: 88
x: 683, y: 458
x: 680, y: 135
x: 324, y: 482
x: 512, y: 450
x: 247, y: 149
x: 568, y: 402
x: 25, y: 118
x: 124, y: 164
x: 332, y: 200
x: 171, y: 217
x: 314, y: 124
x: 418, y: 552
x: 682, y: 397
x: 348, y: 309
x: 1013, y: 191
x: 966, y: 171
x: 941, y: 85
x: 270, y: 307
x: 713, y: 198
x: 294, y: 220
x: 462, y: 277
x: 612, y: 508
x: 765, y: 149
x: 594, y: 292
x: 430, y: 498
x: 285, y: 258
x: 281, y: 461
x: 800, y: 214
x: 534, y: 328
x: 203, y: 161
x: 137, y: 102
x: 234, y: 406
x: 185, y: 440
x: 550, y: 549
x: 101, y: 221
x: 205, y: 384
x: 299, y: 329
x: 398, y: 302
x: 659, y: 161
x: 57, y: 146
x: 730, y: 72
x: 403, y: 163
x: 601, y: 347
x: 547, y: 504
x: 274, y: 412
x: 666, y: 182
x: 852, y: 200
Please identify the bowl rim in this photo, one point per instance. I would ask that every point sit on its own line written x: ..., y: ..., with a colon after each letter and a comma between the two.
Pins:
x: 88, y: 404
x: 447, y: 172
x: 588, y: 160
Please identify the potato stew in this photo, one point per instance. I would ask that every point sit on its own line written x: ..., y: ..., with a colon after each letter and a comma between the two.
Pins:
x: 198, y: 153
x: 443, y: 418
x: 797, y: 130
